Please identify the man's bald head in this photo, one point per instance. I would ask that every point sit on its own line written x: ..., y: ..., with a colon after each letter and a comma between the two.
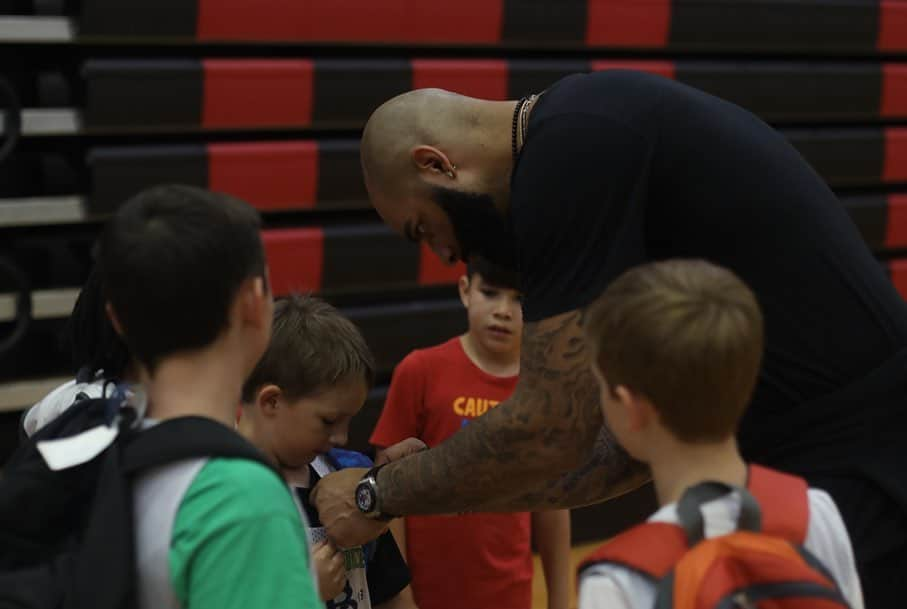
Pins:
x: 435, y: 163
x: 431, y: 117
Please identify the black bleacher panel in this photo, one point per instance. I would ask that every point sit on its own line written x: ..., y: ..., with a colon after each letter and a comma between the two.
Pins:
x: 346, y: 92
x: 844, y: 157
x: 562, y: 23
x: 367, y: 257
x: 118, y: 173
x: 785, y: 91
x: 128, y: 18
x: 340, y: 183
x: 870, y: 214
x: 130, y: 93
x: 829, y: 27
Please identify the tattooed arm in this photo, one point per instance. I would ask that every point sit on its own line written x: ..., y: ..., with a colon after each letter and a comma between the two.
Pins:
x: 545, y: 447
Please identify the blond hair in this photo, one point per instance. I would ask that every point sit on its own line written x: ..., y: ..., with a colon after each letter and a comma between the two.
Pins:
x: 687, y: 335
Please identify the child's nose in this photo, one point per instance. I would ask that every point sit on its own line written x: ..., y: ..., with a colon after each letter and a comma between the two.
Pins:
x: 339, y: 438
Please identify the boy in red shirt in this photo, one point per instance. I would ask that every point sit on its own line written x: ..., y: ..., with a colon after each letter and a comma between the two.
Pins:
x: 479, y: 560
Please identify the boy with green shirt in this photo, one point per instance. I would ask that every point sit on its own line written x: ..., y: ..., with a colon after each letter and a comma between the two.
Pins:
x: 184, y: 276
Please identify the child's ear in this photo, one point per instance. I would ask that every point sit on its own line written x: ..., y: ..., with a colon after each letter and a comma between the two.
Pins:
x: 254, y: 298
x: 114, y: 320
x: 639, y: 410
x: 268, y: 399
x: 463, y: 285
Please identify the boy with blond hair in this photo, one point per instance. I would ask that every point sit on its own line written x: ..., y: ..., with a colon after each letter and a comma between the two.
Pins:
x: 297, y: 406
x: 676, y: 348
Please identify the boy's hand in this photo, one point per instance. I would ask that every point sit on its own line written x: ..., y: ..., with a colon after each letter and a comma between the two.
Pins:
x: 330, y: 570
x: 335, y: 498
x: 403, y: 448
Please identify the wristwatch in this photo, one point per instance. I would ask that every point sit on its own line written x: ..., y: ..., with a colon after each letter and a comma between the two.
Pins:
x: 367, y: 496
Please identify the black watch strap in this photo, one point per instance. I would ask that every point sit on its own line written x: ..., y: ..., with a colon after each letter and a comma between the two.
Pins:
x: 379, y: 514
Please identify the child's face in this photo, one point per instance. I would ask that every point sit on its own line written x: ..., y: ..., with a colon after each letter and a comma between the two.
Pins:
x: 495, y: 314
x: 302, y: 429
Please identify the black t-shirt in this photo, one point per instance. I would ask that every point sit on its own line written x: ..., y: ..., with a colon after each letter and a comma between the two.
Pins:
x: 386, y: 571
x: 620, y: 168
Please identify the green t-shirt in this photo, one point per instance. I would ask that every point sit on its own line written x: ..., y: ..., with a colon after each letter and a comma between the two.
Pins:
x: 238, y: 542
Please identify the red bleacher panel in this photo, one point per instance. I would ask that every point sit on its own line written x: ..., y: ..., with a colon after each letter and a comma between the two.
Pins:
x: 894, y: 90
x: 294, y: 259
x: 387, y: 21
x: 485, y: 79
x: 892, y: 25
x: 628, y: 23
x: 273, y: 175
x: 897, y: 270
x: 662, y: 68
x: 895, y: 155
x: 432, y: 271
x: 259, y: 92
x: 896, y: 226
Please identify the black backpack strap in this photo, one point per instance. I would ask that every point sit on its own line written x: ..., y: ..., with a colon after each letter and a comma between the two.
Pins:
x: 187, y: 438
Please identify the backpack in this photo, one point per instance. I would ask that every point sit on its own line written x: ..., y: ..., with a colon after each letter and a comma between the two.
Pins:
x: 66, y: 535
x: 759, y: 565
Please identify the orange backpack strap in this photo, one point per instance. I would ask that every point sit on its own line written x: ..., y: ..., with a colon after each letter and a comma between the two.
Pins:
x: 651, y: 549
x: 783, y: 500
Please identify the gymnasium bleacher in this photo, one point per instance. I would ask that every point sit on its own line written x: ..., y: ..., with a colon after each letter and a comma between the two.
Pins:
x: 265, y: 99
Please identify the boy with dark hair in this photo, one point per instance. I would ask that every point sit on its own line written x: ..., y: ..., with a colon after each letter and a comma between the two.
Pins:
x: 98, y: 356
x: 184, y: 276
x: 296, y: 407
x: 486, y: 559
x: 676, y: 348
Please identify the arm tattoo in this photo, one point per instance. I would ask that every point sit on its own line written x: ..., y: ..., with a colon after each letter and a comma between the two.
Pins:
x: 542, y: 448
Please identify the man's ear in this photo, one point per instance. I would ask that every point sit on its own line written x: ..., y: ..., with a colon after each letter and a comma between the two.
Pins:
x: 114, y: 320
x: 430, y: 159
x: 267, y: 400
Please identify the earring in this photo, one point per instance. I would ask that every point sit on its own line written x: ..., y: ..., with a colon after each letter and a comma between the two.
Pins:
x: 450, y: 174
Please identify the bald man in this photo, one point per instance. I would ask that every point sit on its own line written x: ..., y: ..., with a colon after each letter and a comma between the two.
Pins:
x: 597, y: 174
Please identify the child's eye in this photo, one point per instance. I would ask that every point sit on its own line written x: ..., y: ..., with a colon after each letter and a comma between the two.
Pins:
x: 327, y: 422
x: 489, y: 293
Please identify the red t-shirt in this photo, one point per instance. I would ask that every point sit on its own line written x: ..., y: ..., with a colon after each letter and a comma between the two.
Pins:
x: 477, y: 561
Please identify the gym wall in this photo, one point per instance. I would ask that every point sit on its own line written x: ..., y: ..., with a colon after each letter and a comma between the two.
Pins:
x: 265, y: 99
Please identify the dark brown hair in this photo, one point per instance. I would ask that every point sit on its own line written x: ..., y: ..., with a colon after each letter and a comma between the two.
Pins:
x: 687, y: 335
x: 313, y: 346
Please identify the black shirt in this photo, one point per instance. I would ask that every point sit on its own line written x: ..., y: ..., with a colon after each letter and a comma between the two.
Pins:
x: 620, y: 168
x: 386, y: 571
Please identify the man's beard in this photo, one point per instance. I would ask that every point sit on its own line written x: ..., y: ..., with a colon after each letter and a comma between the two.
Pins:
x: 480, y: 229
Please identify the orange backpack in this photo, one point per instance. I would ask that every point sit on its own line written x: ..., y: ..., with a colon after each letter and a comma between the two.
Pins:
x: 761, y: 565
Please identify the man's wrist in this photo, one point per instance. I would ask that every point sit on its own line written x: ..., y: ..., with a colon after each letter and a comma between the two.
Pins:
x: 369, y: 496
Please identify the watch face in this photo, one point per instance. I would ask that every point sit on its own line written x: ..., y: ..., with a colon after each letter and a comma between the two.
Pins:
x: 365, y: 498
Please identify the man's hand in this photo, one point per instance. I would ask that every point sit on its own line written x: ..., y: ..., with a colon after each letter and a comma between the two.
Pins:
x: 403, y: 448
x: 335, y: 499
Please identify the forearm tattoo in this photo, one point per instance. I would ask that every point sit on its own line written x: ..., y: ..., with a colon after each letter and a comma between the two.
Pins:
x: 542, y: 448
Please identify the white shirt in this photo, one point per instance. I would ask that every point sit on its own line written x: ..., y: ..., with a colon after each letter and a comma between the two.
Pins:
x: 609, y: 586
